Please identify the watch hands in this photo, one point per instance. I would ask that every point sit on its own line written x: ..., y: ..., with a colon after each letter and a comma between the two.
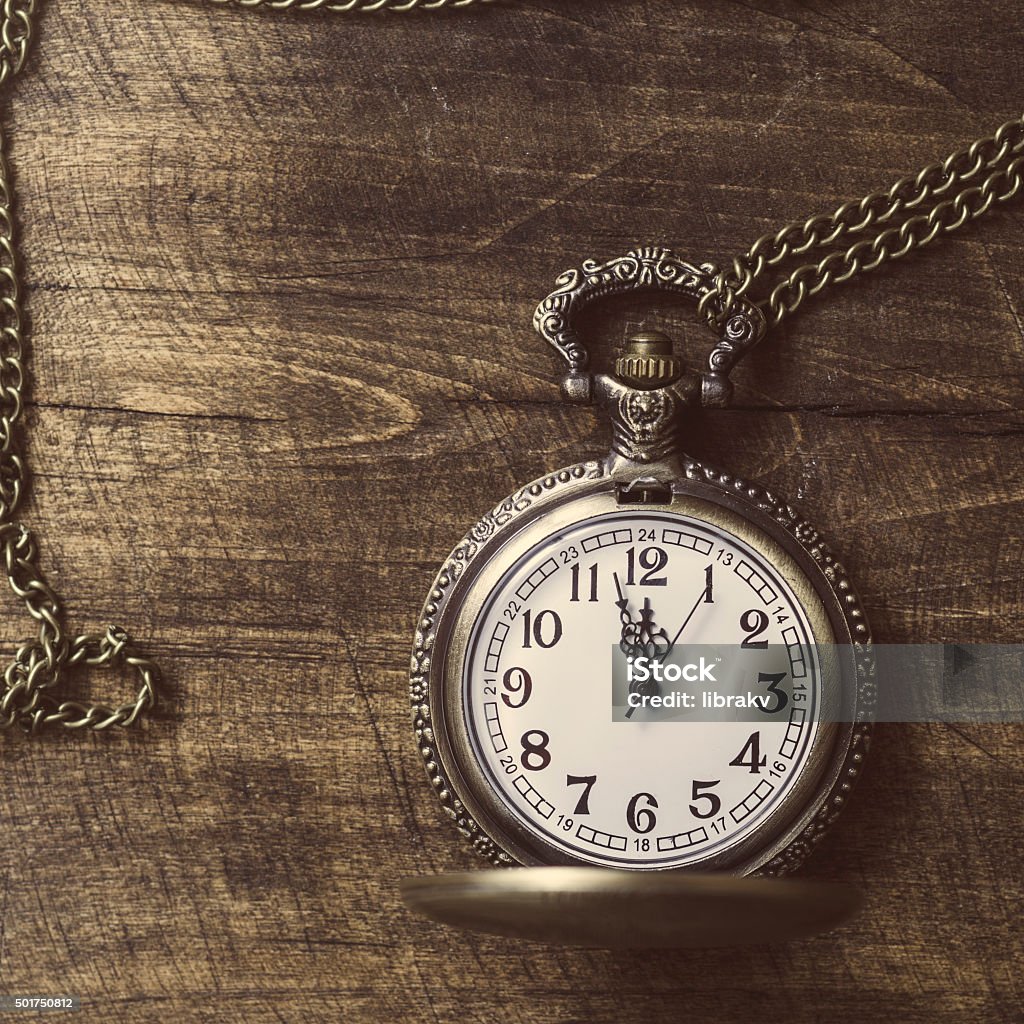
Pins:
x: 644, y: 638
x: 641, y: 637
x: 652, y: 638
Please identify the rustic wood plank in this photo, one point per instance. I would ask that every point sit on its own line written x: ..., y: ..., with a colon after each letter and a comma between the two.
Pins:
x: 280, y: 271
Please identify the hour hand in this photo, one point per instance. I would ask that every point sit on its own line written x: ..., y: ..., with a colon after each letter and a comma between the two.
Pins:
x: 627, y: 640
x: 623, y: 602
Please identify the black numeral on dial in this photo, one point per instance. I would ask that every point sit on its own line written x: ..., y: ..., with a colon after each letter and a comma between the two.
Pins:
x: 754, y: 623
x: 587, y: 781
x: 518, y: 683
x: 641, y: 820
x: 545, y: 629
x: 773, y: 679
x: 536, y: 756
x: 750, y: 756
x: 709, y: 584
x: 592, y: 574
x: 651, y: 559
x: 714, y: 803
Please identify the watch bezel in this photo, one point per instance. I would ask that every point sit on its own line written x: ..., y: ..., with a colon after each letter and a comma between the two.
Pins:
x: 783, y: 839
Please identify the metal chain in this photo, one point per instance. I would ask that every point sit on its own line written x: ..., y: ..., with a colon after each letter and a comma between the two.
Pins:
x: 990, y: 171
x: 354, y: 6
x: 15, y: 35
x: 38, y: 665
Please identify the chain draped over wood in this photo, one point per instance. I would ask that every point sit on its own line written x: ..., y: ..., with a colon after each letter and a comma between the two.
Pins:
x: 33, y: 675
x: 38, y: 665
x: 910, y: 213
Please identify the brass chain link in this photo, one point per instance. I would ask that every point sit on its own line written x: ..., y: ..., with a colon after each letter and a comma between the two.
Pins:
x: 15, y: 35
x: 354, y: 6
x: 989, y: 171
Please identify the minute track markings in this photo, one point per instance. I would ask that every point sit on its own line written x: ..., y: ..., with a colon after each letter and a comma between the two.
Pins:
x: 755, y: 580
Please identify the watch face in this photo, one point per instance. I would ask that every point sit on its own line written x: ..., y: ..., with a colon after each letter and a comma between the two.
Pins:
x: 576, y: 753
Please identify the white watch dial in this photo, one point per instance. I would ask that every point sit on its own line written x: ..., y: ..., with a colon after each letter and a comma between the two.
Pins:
x: 666, y: 787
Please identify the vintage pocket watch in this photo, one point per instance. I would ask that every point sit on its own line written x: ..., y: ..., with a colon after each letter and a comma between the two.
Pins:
x: 511, y: 681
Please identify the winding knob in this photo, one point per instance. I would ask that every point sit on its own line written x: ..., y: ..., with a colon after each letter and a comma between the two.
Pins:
x: 647, y: 361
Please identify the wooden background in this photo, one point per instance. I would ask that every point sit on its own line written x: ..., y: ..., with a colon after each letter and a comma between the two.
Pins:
x: 281, y: 270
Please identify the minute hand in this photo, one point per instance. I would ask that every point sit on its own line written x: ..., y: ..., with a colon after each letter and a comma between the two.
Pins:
x: 705, y: 598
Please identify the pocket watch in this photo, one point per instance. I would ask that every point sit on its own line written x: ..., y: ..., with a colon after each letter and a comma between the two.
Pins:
x: 512, y: 681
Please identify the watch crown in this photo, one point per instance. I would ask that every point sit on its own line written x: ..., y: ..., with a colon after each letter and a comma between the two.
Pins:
x: 648, y: 361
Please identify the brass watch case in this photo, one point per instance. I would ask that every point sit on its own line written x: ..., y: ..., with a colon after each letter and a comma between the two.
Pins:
x: 771, y: 527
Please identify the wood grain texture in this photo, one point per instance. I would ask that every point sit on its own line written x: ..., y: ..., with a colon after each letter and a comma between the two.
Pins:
x: 281, y: 270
